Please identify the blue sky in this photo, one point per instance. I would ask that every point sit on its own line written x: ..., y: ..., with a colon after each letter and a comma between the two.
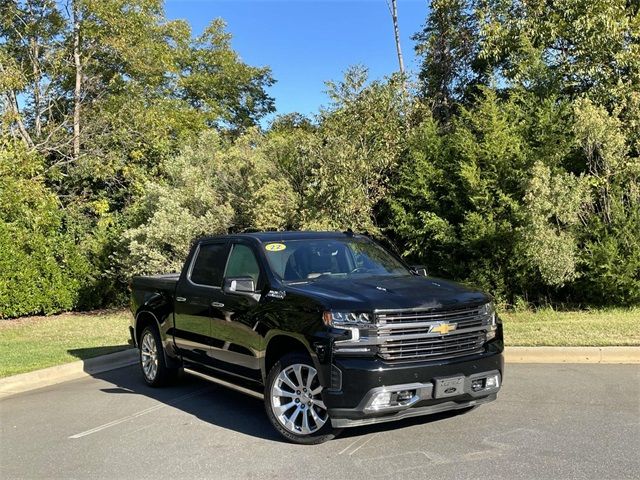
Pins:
x: 306, y: 42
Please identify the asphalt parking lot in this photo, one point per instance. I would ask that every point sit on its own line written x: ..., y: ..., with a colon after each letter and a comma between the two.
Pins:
x: 550, y: 421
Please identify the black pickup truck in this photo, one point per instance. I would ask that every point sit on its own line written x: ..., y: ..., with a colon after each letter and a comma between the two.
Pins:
x: 331, y: 329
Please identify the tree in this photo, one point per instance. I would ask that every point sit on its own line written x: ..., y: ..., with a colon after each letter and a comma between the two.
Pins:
x: 560, y: 82
x: 489, y: 202
x: 212, y: 187
x: 356, y: 146
x: 67, y: 62
x: 449, y: 47
x: 30, y: 61
x: 573, y: 47
x: 393, y: 10
x: 213, y: 80
x: 105, y: 92
x: 611, y: 234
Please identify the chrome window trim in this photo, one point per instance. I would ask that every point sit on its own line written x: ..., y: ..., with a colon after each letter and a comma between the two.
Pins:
x: 232, y: 245
x: 193, y: 262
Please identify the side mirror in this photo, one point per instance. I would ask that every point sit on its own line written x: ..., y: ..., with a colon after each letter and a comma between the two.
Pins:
x: 419, y: 270
x: 239, y: 286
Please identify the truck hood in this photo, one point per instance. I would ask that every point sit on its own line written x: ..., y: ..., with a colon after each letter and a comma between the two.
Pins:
x: 381, y: 293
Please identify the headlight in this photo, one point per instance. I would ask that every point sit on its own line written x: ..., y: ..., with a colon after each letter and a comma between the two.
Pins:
x: 346, y: 319
x: 488, y: 310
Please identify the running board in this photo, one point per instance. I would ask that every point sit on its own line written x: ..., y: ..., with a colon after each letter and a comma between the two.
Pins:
x: 224, y: 383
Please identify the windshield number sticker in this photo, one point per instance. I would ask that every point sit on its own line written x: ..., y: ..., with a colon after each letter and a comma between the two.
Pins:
x: 275, y: 247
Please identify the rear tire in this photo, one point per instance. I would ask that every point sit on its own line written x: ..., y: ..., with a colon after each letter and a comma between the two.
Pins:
x: 293, y: 401
x: 152, y: 362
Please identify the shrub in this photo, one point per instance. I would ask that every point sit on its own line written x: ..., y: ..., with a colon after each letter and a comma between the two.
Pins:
x: 42, y: 268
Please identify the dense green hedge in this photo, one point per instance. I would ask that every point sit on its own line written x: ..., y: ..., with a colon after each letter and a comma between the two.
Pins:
x: 41, y: 273
x: 42, y: 269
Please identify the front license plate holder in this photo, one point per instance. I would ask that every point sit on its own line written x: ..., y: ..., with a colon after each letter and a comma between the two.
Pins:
x: 449, y: 387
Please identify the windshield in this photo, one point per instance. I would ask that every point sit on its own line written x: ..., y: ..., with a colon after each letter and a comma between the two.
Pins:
x: 304, y: 260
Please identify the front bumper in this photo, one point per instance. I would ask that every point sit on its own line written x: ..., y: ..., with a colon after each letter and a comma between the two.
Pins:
x: 363, y: 378
x: 410, y: 412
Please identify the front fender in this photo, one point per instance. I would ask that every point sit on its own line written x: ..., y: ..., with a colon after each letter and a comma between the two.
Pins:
x: 314, y: 345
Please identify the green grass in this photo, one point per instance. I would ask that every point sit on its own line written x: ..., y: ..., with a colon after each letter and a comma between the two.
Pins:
x: 32, y: 343
x: 594, y: 328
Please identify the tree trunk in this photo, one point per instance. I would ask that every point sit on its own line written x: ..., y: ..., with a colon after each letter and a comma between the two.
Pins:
x: 78, y: 86
x: 37, y: 103
x: 12, y: 104
x: 393, y: 9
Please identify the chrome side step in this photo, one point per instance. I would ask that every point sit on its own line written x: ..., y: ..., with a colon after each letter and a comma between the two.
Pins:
x: 224, y: 383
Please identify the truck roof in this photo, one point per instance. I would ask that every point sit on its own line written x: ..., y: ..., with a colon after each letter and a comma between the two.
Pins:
x: 284, y: 235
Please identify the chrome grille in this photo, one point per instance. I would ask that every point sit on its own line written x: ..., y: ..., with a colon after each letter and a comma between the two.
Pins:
x: 404, y: 335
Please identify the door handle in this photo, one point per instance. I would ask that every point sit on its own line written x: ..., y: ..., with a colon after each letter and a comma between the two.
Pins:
x: 217, y: 304
x: 181, y: 299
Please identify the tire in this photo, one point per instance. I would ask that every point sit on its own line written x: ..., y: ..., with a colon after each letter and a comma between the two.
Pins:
x: 293, y: 382
x: 151, y: 358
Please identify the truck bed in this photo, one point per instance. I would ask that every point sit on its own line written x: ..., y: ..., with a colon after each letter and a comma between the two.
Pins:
x: 165, y: 282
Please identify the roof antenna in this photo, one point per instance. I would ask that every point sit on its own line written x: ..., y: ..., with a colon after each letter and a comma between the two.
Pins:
x: 349, y: 232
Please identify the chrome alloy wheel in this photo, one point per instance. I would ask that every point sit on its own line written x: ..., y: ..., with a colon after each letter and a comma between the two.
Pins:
x: 149, y: 356
x: 296, y: 401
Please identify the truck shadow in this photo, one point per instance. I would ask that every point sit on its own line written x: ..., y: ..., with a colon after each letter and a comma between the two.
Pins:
x: 93, y: 352
x: 226, y: 408
x: 206, y: 401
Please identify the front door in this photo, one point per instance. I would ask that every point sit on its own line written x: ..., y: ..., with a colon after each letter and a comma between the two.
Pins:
x: 234, y: 327
x: 197, y: 297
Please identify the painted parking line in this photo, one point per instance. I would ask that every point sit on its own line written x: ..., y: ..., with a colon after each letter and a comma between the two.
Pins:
x: 169, y: 403
x: 362, y: 440
x: 350, y: 445
x: 364, y: 443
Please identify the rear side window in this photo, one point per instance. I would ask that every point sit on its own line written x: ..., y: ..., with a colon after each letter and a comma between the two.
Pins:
x: 209, y: 265
x: 243, y: 263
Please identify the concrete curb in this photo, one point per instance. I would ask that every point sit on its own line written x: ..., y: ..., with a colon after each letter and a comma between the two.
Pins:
x: 83, y: 368
x: 63, y: 373
x: 572, y: 355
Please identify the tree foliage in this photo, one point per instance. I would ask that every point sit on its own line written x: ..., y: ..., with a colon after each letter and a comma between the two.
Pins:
x: 512, y: 161
x: 136, y: 88
x: 529, y: 184
x: 42, y: 270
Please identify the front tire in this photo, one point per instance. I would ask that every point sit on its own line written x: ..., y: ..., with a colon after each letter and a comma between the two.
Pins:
x: 152, y: 362
x: 294, y: 403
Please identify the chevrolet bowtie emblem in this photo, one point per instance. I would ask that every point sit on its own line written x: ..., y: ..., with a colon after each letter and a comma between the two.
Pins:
x: 443, y: 328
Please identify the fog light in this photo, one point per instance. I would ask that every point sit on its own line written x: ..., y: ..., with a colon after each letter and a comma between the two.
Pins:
x: 382, y: 399
x: 477, y: 385
x: 492, y: 382
x: 405, y: 395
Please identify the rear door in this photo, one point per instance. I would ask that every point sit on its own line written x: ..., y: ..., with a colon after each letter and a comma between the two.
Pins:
x: 197, y: 296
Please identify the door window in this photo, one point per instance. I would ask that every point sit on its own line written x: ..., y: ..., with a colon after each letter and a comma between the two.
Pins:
x: 209, y: 264
x: 243, y: 263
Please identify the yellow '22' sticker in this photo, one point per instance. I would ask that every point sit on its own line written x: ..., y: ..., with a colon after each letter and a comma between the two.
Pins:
x: 275, y: 247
